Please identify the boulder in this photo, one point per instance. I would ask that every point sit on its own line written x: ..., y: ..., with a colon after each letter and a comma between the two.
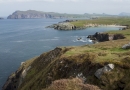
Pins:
x: 126, y: 46
x: 106, y: 68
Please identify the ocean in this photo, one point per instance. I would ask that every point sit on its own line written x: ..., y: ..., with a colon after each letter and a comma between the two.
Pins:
x: 22, y: 39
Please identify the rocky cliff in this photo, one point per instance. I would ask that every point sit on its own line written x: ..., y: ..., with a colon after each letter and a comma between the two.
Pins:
x: 100, y: 37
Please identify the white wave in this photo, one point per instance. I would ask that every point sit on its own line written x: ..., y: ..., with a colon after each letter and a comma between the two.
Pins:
x: 20, y: 41
x: 90, y: 40
x: 56, y: 37
x: 49, y: 39
x: 83, y: 40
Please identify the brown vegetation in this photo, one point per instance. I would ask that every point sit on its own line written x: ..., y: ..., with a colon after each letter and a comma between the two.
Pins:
x: 71, y: 84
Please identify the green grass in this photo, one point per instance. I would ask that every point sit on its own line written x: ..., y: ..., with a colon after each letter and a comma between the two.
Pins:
x: 103, y: 21
x: 86, y: 59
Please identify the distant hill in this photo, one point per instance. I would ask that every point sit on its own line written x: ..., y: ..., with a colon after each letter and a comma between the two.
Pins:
x: 124, y: 14
x: 33, y: 14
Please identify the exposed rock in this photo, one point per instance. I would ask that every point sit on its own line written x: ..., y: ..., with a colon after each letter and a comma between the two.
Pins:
x: 106, y: 68
x: 63, y: 26
x: 105, y: 37
x: 12, y: 82
x: 126, y: 46
x: 22, y: 63
x: 16, y: 79
x: 70, y: 20
x: 82, y: 77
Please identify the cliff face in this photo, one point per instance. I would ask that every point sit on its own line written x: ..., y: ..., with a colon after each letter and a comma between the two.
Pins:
x: 32, y: 14
x: 76, y: 66
x: 49, y: 67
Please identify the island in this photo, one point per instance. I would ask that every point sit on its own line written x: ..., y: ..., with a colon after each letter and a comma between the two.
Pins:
x: 101, y: 66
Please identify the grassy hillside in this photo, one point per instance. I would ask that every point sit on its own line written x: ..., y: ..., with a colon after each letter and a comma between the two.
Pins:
x: 103, y: 21
x: 68, y: 62
x: 63, y: 64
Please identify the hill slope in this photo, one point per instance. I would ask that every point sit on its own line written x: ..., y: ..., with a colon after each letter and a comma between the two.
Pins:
x: 77, y: 66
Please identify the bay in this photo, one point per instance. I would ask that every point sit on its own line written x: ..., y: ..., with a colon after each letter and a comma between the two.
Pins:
x: 23, y: 39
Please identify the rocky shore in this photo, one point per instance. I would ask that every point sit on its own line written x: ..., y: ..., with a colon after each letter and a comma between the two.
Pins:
x: 100, y: 37
x: 65, y: 26
x: 68, y: 25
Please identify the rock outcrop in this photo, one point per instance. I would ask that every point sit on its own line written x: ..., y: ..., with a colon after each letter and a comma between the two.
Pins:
x: 16, y: 78
x: 100, y: 37
x: 105, y: 69
x: 13, y: 80
x: 126, y: 46
x: 63, y: 26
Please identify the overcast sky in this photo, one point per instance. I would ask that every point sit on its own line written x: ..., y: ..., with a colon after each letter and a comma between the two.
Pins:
x: 7, y: 7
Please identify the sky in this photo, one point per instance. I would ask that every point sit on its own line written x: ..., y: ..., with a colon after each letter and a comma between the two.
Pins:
x: 113, y: 7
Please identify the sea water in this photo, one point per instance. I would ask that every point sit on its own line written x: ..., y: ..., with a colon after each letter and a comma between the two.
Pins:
x: 22, y: 39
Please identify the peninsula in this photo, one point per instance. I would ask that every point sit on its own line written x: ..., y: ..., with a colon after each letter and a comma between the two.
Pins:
x: 101, y: 66
x: 99, y: 22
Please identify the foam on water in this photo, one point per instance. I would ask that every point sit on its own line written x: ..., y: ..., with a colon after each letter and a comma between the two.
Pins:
x: 48, y: 39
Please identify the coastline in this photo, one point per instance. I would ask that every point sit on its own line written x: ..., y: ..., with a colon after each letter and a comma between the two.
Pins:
x: 66, y: 62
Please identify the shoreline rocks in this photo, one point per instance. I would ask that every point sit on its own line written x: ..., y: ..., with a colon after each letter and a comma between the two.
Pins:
x: 65, y: 26
x: 100, y: 37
